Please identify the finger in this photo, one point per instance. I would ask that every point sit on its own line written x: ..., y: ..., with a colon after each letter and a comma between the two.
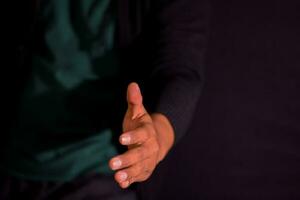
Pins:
x: 135, y: 101
x: 137, y: 136
x: 130, y: 157
x: 129, y: 173
x: 136, y: 173
x: 125, y: 184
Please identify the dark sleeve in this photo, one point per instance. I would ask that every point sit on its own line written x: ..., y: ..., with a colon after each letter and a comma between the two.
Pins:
x: 176, y: 80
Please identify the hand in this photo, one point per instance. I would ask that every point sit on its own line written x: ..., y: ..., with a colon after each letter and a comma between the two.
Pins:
x: 148, y: 137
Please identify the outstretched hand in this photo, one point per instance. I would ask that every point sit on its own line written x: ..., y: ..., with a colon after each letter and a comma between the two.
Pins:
x: 148, y: 138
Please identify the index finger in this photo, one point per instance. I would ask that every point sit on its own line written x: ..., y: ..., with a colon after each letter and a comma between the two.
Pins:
x: 137, y: 136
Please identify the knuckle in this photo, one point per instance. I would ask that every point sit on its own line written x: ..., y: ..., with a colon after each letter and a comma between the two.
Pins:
x: 133, y: 171
x: 139, y: 168
x: 133, y: 138
x: 127, y: 160
x: 155, y: 147
x: 140, y: 152
x: 138, y: 136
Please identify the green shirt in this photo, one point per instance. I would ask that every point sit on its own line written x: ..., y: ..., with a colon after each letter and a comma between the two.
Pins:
x: 62, y: 130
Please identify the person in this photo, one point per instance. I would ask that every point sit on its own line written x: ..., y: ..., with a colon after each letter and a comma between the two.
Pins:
x: 75, y: 59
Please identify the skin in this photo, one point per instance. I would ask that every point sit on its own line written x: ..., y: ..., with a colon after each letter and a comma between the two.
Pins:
x: 148, y: 137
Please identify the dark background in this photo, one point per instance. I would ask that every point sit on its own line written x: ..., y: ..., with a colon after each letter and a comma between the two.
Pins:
x: 244, y: 140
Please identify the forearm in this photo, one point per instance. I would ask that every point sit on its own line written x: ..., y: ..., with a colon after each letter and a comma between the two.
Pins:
x: 177, y: 76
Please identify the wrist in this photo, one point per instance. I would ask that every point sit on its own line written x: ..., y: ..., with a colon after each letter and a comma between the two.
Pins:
x: 165, y: 134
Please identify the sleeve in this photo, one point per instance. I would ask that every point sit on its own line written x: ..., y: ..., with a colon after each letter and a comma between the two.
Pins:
x: 177, y: 73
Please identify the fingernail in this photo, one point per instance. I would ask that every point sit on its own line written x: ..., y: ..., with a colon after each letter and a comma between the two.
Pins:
x: 136, y: 89
x: 125, y: 139
x: 123, y: 176
x: 116, y: 164
x: 125, y: 184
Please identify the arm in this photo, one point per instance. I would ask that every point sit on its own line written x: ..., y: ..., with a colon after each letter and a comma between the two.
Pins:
x: 177, y: 77
x: 172, y: 93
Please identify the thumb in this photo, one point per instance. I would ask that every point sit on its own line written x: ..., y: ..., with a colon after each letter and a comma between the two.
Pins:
x: 135, y: 101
